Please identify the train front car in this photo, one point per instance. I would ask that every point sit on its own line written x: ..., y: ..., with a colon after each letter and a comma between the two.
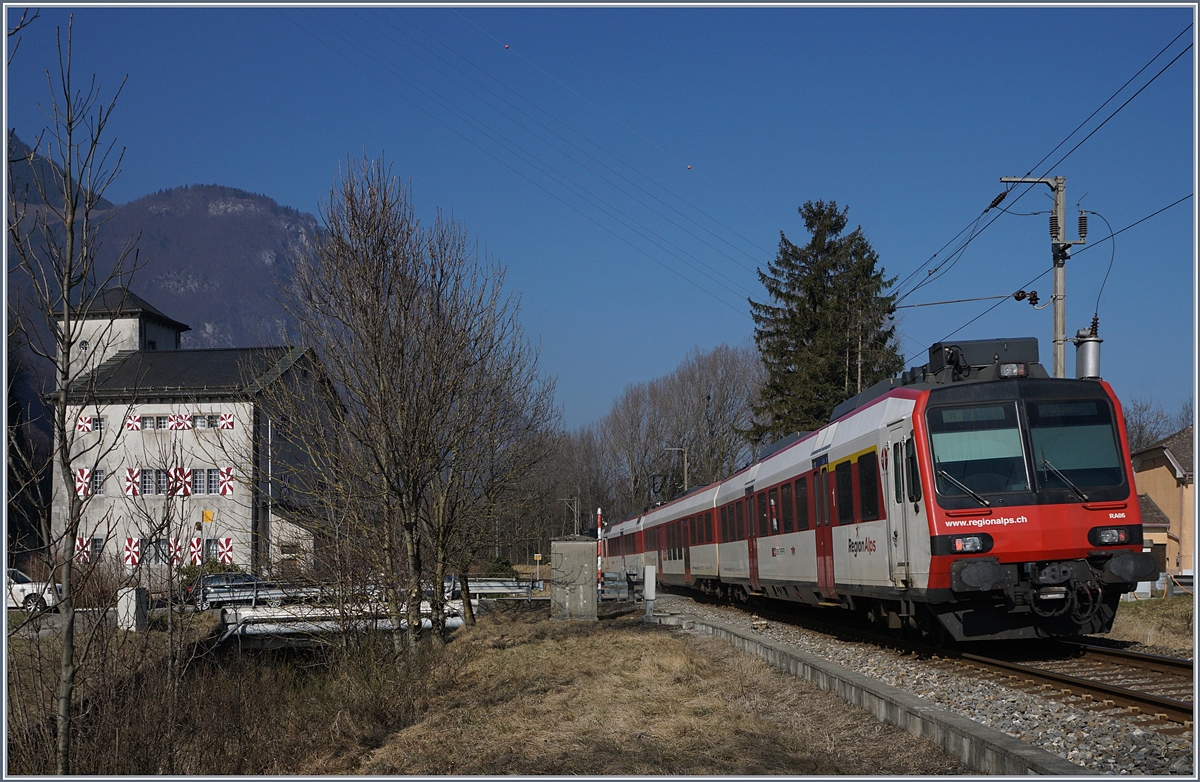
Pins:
x: 1034, y: 522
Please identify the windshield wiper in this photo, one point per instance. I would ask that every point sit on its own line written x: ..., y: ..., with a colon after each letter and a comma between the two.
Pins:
x: 965, y: 488
x: 1064, y: 479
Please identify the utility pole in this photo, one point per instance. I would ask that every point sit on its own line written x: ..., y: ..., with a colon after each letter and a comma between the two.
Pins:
x: 1060, y: 250
x: 685, y: 466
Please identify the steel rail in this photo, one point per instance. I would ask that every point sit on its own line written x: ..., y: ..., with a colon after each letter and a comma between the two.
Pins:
x: 1171, y: 709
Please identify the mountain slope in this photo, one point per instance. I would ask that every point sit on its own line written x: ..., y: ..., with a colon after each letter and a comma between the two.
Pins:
x: 211, y: 256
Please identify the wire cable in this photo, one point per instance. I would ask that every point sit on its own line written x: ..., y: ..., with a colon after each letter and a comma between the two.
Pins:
x: 510, y: 167
x: 1112, y: 257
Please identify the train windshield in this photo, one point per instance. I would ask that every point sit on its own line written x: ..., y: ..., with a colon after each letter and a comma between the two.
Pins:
x: 977, y: 449
x: 1074, y: 444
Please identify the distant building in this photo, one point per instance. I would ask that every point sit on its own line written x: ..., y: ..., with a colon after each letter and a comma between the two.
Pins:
x: 173, y: 449
x: 1163, y: 472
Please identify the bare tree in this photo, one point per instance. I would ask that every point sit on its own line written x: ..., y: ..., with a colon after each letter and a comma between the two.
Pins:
x: 428, y: 369
x: 54, y: 243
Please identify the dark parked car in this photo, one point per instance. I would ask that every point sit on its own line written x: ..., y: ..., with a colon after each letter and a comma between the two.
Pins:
x: 214, y: 590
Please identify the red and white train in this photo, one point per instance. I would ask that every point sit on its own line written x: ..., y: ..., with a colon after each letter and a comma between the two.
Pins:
x: 974, y: 497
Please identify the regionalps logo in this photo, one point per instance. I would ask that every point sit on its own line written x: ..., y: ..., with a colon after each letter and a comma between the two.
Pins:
x: 865, y: 546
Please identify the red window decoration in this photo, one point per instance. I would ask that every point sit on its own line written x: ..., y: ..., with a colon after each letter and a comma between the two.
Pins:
x: 133, y: 551
x: 226, y: 482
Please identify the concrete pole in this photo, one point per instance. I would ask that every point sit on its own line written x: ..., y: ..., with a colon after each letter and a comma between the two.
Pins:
x: 1060, y: 250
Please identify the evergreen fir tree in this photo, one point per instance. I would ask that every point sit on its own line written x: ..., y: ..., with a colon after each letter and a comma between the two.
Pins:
x: 826, y: 333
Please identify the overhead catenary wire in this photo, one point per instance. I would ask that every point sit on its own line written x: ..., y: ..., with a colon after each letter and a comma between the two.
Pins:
x: 551, y: 172
x: 1047, y: 271
x: 995, y: 203
x: 616, y: 119
x: 581, y: 151
x: 589, y: 140
x: 510, y: 167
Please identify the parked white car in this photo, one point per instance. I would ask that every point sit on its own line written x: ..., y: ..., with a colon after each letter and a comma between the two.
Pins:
x: 32, y: 596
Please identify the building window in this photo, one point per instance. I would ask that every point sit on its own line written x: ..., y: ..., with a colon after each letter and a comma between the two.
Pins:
x: 97, y: 481
x: 214, y: 481
x: 214, y: 421
x: 83, y: 346
x: 199, y: 422
x: 97, y: 548
x: 162, y: 552
x: 160, y: 478
x: 210, y: 548
x: 98, y: 425
x: 147, y: 481
x: 162, y: 422
x: 199, y: 484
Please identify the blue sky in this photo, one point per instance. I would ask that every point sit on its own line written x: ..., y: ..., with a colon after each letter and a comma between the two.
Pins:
x: 567, y: 153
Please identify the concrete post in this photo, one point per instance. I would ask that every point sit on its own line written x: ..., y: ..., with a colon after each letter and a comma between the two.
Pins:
x: 648, y: 590
x: 132, y: 608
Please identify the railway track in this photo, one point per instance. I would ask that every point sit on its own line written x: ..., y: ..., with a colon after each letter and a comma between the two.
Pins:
x: 1155, y: 690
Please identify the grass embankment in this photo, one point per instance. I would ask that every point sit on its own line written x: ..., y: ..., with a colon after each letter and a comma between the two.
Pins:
x: 1164, y: 624
x: 620, y: 697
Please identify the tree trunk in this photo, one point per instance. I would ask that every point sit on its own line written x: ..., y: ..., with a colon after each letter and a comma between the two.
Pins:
x: 468, y: 611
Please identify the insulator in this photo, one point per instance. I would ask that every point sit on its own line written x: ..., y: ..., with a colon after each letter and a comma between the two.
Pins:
x: 1033, y: 298
x: 1095, y: 325
x: 1082, y: 225
x: 1054, y: 225
x: 1020, y: 295
x: 996, y: 201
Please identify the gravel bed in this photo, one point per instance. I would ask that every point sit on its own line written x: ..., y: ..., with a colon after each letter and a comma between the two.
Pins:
x: 1106, y: 742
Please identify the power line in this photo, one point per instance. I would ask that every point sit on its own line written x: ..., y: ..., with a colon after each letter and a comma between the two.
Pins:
x: 1043, y: 274
x: 952, y: 301
x: 519, y: 173
x: 1022, y: 194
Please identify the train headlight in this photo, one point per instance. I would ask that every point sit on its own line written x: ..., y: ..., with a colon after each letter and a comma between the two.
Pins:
x: 968, y: 544
x: 1012, y: 370
x: 1110, y: 536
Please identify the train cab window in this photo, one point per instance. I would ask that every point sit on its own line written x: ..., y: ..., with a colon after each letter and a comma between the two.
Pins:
x: 911, y: 472
x: 1074, y: 443
x: 741, y: 520
x: 868, y: 486
x: 802, y: 502
x: 762, y: 514
x: 977, y: 447
x: 844, y: 489
x: 773, y: 494
x: 785, y: 506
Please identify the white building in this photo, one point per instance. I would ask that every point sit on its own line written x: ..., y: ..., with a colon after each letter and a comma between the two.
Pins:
x: 173, y: 450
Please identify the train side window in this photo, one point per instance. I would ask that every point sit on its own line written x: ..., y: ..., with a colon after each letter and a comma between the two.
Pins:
x: 802, y: 502
x: 868, y: 486
x: 844, y: 488
x: 898, y: 473
x: 724, y: 513
x: 762, y: 514
x: 708, y: 526
x: 741, y: 520
x: 785, y: 508
x: 692, y: 522
x: 910, y: 469
x: 773, y: 494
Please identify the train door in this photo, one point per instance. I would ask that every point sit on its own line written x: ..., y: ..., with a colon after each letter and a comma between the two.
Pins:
x: 898, y: 513
x: 688, y: 526
x: 824, y: 530
x: 752, y: 541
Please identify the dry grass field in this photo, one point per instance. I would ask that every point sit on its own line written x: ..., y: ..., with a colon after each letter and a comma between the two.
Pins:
x: 618, y: 697
x: 1162, y: 625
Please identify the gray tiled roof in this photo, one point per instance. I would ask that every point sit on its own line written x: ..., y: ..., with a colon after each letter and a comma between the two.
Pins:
x: 1180, y: 446
x: 120, y: 302
x: 206, y: 372
x: 1152, y: 515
